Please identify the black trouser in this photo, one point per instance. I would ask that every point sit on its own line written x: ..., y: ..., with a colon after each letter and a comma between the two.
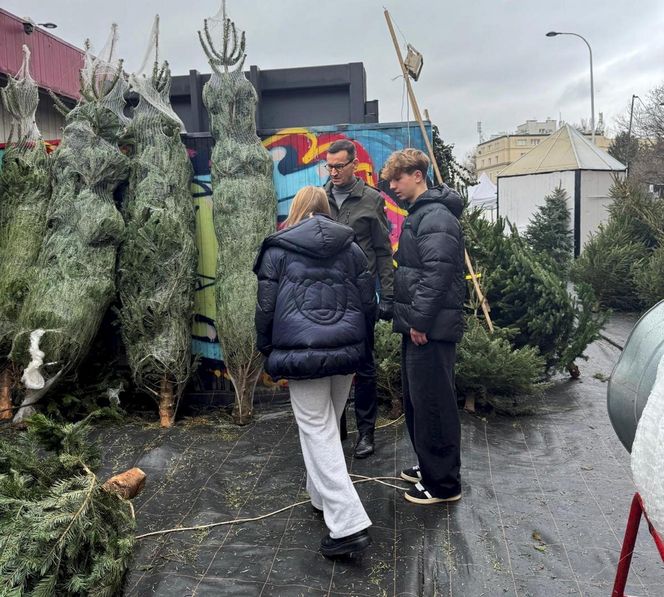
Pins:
x: 366, y: 403
x: 432, y: 417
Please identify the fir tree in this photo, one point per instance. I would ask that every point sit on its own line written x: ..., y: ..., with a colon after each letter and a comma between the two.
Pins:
x: 549, y: 232
x: 61, y: 533
x: 526, y: 294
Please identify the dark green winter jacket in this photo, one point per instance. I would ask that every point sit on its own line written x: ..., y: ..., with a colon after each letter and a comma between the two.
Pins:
x: 364, y: 211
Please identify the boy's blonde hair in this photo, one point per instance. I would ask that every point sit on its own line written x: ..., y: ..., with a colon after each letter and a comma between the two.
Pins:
x: 308, y: 200
x: 405, y: 161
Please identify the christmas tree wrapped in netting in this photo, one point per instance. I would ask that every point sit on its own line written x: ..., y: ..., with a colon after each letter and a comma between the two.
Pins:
x: 62, y: 532
x: 157, y: 258
x: 244, y: 203
x: 528, y: 295
x: 76, y: 267
x: 24, y: 196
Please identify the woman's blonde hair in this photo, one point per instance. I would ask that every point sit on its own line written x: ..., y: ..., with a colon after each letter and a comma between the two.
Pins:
x: 307, y: 201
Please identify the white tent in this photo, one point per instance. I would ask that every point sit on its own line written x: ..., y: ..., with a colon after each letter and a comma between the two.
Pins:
x: 483, y: 194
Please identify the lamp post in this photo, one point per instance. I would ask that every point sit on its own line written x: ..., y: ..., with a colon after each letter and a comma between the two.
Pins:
x: 629, y: 133
x: 592, y: 88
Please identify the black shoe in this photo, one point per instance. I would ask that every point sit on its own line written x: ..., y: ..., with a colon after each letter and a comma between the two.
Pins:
x: 419, y: 494
x: 345, y: 546
x: 365, y: 445
x: 316, y: 510
x: 412, y: 474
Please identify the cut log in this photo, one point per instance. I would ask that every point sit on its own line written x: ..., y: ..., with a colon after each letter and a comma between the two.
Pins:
x: 127, y: 485
x: 469, y: 405
x: 166, y: 404
x: 6, y: 383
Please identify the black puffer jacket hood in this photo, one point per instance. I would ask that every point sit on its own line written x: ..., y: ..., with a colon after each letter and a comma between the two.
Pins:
x: 442, y: 194
x: 314, y: 295
x: 429, y: 284
x: 318, y: 237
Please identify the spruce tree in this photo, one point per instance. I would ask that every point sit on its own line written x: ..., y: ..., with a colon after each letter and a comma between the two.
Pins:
x: 549, y: 230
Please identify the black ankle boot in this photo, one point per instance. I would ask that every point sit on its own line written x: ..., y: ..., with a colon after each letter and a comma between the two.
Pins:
x: 365, y: 445
x: 345, y: 546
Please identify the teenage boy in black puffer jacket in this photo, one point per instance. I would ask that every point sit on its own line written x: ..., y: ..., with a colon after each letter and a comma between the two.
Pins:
x: 429, y: 291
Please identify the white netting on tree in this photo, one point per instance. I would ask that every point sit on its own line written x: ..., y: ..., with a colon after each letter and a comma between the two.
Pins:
x: 158, y: 254
x: 75, y: 280
x: 244, y: 203
x: 24, y: 197
x: 648, y: 452
x: 20, y: 98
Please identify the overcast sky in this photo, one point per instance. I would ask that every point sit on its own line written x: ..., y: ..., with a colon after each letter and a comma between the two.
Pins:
x: 484, y: 60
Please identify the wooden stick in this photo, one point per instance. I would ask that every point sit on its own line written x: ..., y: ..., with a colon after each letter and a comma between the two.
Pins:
x: 413, y: 100
x: 127, y: 485
x: 6, y: 411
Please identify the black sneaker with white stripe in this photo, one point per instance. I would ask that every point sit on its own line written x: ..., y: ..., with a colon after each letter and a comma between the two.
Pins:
x: 419, y: 495
x: 412, y: 474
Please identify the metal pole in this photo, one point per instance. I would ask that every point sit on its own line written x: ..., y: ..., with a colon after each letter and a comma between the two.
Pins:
x: 478, y: 291
x: 629, y: 134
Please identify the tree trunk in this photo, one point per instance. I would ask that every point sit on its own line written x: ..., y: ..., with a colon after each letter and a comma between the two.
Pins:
x: 574, y: 371
x: 396, y: 407
x: 469, y: 405
x: 6, y: 383
x: 244, y: 384
x: 166, y: 404
x: 127, y: 485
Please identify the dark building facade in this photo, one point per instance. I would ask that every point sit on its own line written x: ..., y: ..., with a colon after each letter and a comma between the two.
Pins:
x: 289, y: 97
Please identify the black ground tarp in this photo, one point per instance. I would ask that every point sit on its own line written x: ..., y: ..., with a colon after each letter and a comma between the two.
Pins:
x: 545, y: 501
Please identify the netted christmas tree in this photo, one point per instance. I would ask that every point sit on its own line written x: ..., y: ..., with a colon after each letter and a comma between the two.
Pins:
x: 527, y: 295
x: 157, y: 257
x: 244, y: 204
x: 62, y: 532
x: 549, y: 231
x: 76, y: 266
x: 24, y: 197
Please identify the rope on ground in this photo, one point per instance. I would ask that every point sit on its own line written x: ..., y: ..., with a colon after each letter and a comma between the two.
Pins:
x: 397, y: 420
x: 362, y: 479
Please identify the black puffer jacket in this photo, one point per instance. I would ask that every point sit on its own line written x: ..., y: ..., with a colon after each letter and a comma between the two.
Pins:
x: 314, y: 294
x: 429, y: 286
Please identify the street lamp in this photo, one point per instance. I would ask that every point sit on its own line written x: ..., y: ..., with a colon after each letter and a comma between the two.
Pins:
x: 592, y: 89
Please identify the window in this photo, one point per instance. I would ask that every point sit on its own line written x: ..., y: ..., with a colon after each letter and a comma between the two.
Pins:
x: 521, y: 142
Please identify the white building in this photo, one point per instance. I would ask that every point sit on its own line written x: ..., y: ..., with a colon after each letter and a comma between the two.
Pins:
x: 566, y: 159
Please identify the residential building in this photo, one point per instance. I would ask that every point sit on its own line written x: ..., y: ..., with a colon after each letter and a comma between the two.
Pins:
x: 501, y: 150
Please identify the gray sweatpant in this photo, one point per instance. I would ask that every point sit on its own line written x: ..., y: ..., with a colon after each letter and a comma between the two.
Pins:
x: 317, y: 405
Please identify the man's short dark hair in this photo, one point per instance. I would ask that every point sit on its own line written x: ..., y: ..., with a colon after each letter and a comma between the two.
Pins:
x: 343, y: 145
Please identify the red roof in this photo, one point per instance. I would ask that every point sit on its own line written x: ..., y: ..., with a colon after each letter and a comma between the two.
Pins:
x: 54, y: 63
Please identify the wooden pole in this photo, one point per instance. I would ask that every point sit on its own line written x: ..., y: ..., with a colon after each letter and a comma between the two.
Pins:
x: 413, y: 100
x: 6, y: 411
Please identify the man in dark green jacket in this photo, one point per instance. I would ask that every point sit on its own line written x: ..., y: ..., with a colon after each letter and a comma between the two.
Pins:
x: 362, y: 207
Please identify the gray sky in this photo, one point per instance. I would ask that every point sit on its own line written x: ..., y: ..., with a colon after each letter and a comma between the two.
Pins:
x: 485, y: 60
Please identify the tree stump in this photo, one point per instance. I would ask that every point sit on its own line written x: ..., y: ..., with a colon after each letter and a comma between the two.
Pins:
x: 166, y: 404
x: 127, y: 485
